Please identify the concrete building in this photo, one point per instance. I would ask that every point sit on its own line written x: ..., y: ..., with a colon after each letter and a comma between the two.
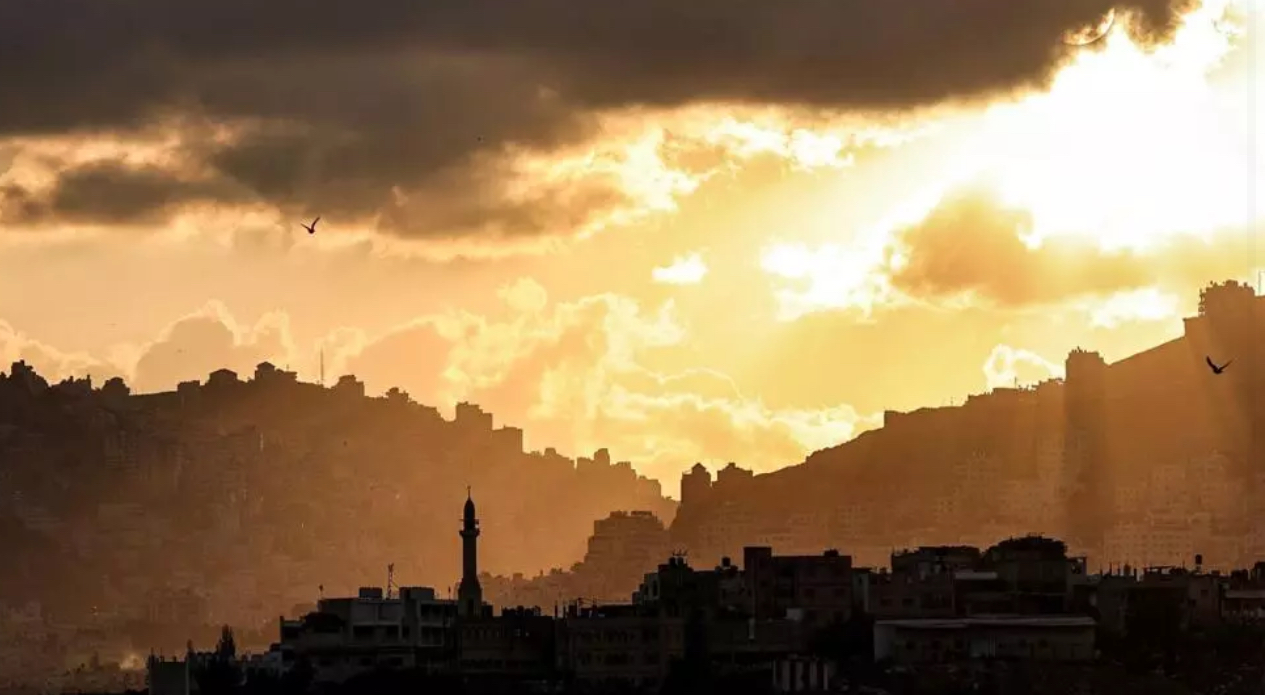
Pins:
x: 619, y: 644
x: 816, y: 588
x: 518, y: 645
x: 928, y: 640
x: 345, y: 636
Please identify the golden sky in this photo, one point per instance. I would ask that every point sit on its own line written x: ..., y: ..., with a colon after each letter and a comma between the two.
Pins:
x: 732, y: 236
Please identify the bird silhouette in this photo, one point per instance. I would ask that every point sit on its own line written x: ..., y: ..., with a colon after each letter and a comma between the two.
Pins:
x: 311, y: 228
x: 1213, y: 365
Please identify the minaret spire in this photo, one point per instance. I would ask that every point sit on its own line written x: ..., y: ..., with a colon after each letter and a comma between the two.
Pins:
x: 469, y: 593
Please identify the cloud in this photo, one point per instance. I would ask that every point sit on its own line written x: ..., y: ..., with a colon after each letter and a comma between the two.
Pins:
x: 209, y: 339
x: 1148, y: 304
x: 110, y: 192
x: 972, y: 244
x: 684, y: 270
x: 411, y: 115
x: 1007, y: 367
x: 579, y: 375
x: 7, y: 155
x: 666, y: 430
x: 53, y: 364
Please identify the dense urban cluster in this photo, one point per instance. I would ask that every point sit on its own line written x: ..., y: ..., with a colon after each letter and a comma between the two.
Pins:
x: 775, y: 623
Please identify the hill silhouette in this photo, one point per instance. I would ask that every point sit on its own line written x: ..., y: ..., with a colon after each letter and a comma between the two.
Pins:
x: 232, y: 500
x: 1151, y: 459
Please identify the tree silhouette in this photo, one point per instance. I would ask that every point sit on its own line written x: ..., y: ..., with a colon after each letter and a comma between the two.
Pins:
x: 219, y: 673
x: 227, y: 647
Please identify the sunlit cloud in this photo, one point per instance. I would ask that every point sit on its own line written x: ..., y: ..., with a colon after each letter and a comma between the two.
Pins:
x: 1131, y: 144
x: 686, y: 270
x: 1149, y: 304
x: 829, y: 277
x: 1010, y: 367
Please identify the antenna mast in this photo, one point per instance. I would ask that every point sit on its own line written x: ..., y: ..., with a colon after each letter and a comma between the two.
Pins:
x: 390, y: 579
x: 322, y: 366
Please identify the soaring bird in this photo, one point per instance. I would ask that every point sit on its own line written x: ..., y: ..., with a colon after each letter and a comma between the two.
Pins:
x: 1213, y: 365
x: 311, y: 228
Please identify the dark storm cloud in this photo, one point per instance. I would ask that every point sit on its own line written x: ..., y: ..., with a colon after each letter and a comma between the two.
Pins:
x: 359, y: 99
x: 114, y: 193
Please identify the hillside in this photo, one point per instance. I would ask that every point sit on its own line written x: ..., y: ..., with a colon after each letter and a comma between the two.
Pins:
x: 1150, y: 459
x: 233, y: 500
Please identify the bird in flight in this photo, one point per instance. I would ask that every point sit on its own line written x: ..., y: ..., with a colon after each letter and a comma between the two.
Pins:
x: 311, y: 228
x: 1214, y: 367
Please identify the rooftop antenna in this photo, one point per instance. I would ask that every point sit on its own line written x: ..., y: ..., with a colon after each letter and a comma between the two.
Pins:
x: 390, y: 579
x: 322, y: 366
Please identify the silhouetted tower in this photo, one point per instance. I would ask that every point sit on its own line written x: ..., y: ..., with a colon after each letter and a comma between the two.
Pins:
x: 1085, y: 461
x: 1231, y: 326
x: 469, y: 593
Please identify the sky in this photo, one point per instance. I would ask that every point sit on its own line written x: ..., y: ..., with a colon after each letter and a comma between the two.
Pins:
x: 722, y: 230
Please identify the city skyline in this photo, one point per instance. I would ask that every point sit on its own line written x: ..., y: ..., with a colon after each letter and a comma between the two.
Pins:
x: 679, y: 262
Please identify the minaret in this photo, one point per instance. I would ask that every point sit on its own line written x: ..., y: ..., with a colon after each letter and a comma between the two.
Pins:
x: 469, y: 593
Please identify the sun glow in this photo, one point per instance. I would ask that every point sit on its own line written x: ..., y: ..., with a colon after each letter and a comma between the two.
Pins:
x: 1130, y: 144
x: 1130, y: 147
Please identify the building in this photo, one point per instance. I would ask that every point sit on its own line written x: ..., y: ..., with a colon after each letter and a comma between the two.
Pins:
x: 815, y: 589
x: 345, y: 636
x: 1188, y: 599
x: 929, y: 640
x: 625, y: 645
x: 519, y: 645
